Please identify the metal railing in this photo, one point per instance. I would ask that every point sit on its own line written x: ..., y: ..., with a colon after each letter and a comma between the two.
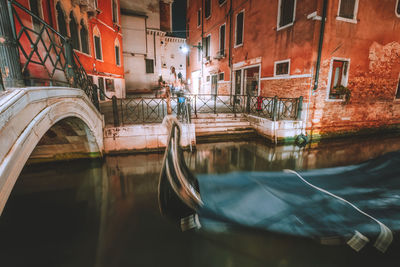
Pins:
x: 153, y: 110
x: 46, y: 56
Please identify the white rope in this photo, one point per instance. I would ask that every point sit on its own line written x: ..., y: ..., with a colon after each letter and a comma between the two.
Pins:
x: 385, y: 237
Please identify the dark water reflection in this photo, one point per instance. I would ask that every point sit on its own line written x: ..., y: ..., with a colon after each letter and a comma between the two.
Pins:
x: 105, y: 213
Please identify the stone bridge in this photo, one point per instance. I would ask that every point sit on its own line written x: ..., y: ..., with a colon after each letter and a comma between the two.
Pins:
x: 42, y: 123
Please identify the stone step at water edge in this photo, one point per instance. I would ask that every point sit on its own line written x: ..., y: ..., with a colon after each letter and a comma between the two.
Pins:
x: 222, y: 129
x: 223, y: 124
x: 226, y: 134
x: 216, y: 120
x: 223, y: 115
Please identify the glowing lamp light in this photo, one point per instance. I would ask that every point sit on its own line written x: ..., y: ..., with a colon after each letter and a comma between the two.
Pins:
x: 184, y: 49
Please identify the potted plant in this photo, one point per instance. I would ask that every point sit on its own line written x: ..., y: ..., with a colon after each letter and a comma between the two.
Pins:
x: 343, y: 92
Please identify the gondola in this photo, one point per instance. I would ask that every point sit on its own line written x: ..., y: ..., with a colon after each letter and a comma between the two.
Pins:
x: 356, y: 205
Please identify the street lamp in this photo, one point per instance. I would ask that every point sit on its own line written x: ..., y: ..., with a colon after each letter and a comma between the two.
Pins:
x: 186, y: 48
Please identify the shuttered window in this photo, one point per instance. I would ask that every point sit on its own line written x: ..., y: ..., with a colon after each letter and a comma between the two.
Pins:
x: 34, y: 5
x: 222, y: 40
x: 207, y: 8
x: 239, y: 28
x: 398, y: 90
x: 84, y: 38
x: 282, y: 68
x: 117, y: 56
x: 347, y: 9
x: 398, y: 8
x: 286, y: 12
x: 97, y: 45
x: 73, y: 29
x: 149, y: 66
x: 198, y: 17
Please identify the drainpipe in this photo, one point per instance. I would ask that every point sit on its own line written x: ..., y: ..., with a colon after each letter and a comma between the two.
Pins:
x: 202, y: 47
x: 230, y: 45
x: 321, y: 40
x: 9, y: 53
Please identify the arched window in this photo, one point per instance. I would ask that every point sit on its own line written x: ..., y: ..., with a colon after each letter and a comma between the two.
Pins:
x: 114, y: 11
x: 35, y: 7
x: 62, y: 25
x: 97, y: 43
x: 117, y: 52
x: 84, y: 38
x: 73, y: 29
x: 398, y: 8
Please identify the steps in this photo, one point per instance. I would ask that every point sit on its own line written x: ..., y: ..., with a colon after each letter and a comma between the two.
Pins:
x: 221, y: 126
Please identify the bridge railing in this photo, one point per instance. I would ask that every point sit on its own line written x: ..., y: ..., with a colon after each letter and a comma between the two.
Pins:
x: 46, y: 56
x: 153, y: 110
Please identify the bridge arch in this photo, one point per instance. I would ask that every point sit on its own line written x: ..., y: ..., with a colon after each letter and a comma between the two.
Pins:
x: 27, y: 114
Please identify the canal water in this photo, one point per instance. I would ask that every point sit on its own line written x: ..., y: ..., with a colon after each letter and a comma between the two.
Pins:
x: 105, y: 212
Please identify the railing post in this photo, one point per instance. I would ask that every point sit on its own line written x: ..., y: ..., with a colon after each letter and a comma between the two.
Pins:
x: 95, y: 97
x: 275, y: 108
x: 115, y: 111
x: 248, y: 103
x: 215, y: 104
x: 195, y: 105
x: 234, y: 105
x: 69, y: 57
x: 299, y: 108
x: 10, y: 67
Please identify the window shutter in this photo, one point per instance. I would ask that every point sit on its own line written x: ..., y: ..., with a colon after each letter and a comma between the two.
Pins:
x: 287, y: 10
x: 347, y: 9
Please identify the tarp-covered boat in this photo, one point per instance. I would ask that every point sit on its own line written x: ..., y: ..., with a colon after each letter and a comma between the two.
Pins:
x: 356, y: 204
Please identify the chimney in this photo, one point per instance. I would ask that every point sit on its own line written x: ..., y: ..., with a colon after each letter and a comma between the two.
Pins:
x: 166, y: 15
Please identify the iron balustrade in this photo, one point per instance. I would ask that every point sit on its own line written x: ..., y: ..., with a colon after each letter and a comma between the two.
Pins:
x: 46, y: 56
x: 153, y: 110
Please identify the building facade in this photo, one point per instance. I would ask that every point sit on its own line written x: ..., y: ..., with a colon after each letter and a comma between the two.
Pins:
x: 150, y: 49
x: 93, y: 27
x: 347, y: 70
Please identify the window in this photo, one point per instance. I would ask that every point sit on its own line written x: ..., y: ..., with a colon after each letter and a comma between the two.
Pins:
x: 338, y: 78
x: 117, y: 53
x: 221, y: 76
x: 207, y: 46
x: 282, y: 68
x: 207, y: 8
x: 348, y: 9
x: 198, y: 17
x: 208, y: 78
x: 198, y: 52
x: 221, y: 2
x: 286, y: 13
x: 110, y: 85
x: 239, y: 29
x: 61, y: 21
x: 84, y: 38
x: 73, y: 29
x: 398, y: 90
x: 221, y: 41
x: 97, y: 43
x: 36, y: 9
x: 114, y: 11
x: 398, y: 8
x: 149, y: 66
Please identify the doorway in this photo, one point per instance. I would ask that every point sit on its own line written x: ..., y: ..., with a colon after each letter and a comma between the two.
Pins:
x: 214, y: 84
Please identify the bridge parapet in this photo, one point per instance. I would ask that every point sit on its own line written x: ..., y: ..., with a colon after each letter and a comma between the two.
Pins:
x: 26, y: 114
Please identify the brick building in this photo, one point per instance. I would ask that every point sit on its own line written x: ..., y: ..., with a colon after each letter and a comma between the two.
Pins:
x: 94, y: 29
x: 272, y: 47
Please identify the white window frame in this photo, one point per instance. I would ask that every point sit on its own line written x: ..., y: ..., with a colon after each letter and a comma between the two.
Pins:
x: 344, y: 81
x: 282, y: 61
x: 278, y: 18
x: 210, y: 10
x: 199, y: 15
x: 94, y: 45
x: 112, y: 12
x: 395, y: 8
x: 397, y: 88
x: 241, y: 44
x: 219, y: 41
x: 354, y: 20
x: 117, y: 43
x: 209, y: 47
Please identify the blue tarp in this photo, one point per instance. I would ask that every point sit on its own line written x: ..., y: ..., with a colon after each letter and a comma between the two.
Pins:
x: 357, y: 203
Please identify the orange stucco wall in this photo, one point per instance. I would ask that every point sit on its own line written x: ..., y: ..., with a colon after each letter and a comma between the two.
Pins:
x: 371, y: 43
